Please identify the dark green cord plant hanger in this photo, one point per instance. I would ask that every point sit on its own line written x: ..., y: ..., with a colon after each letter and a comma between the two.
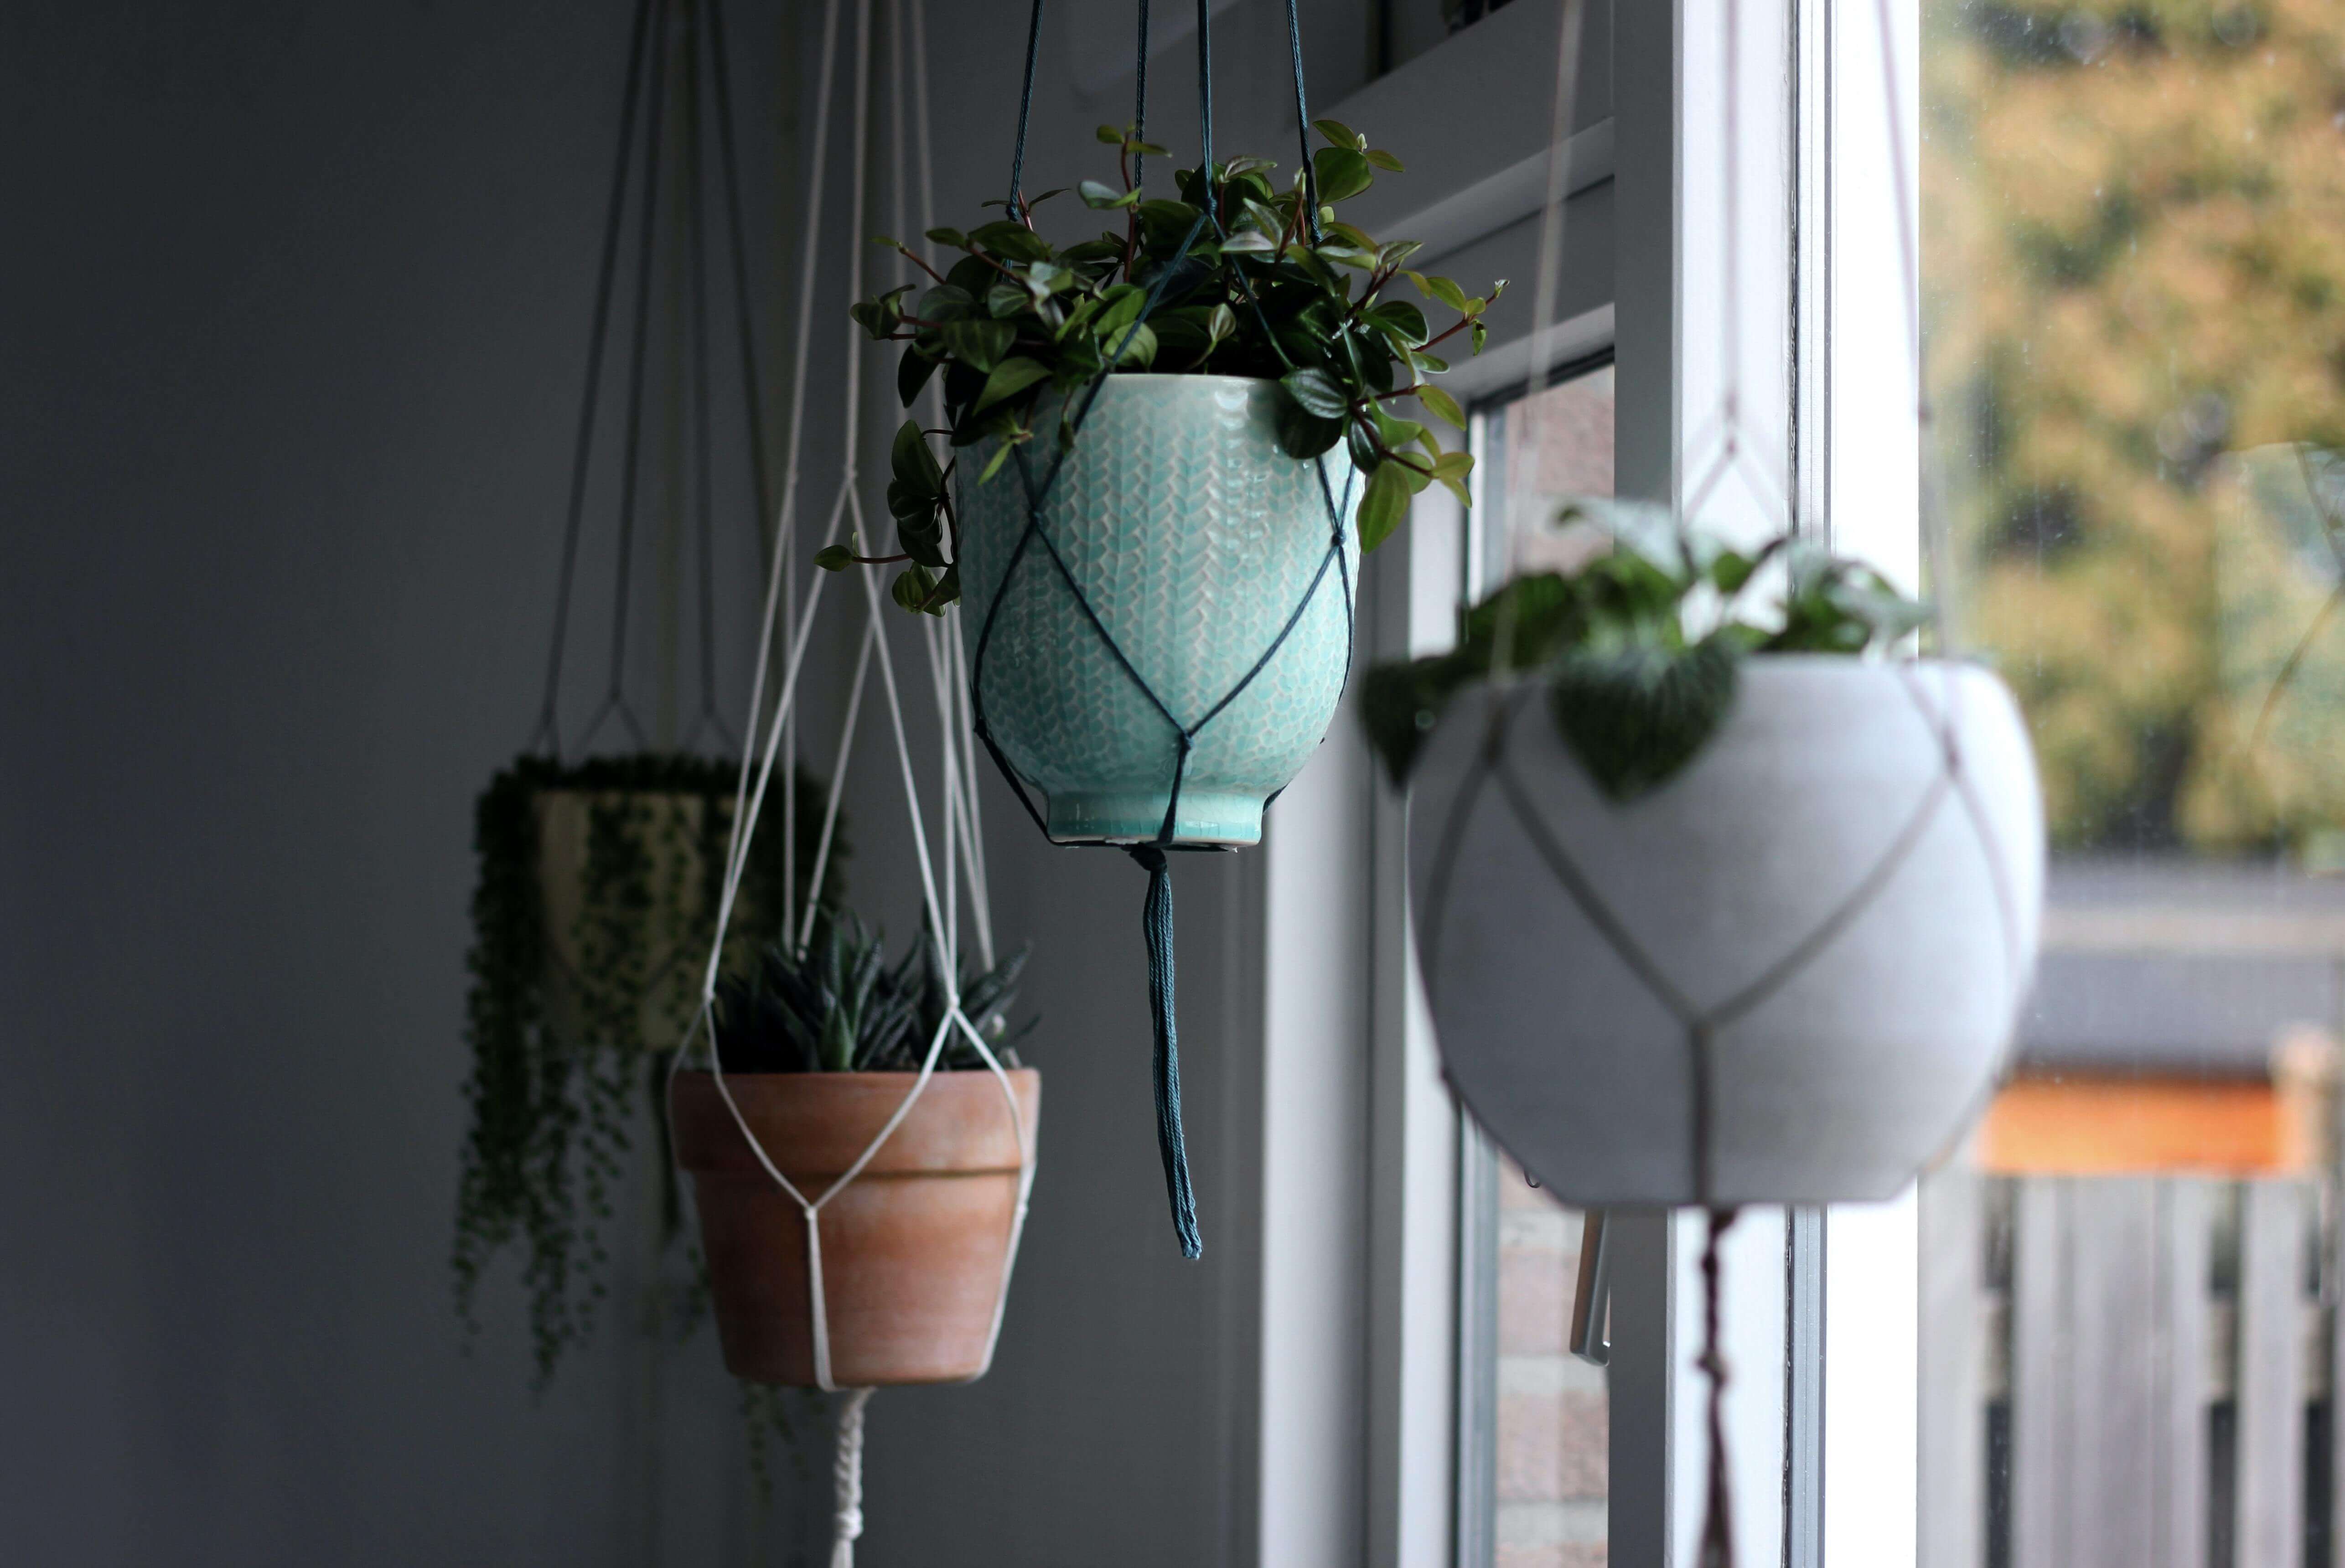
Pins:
x: 1172, y: 449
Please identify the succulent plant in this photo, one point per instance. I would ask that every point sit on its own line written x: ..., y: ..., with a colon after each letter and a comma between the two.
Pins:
x: 835, y: 1005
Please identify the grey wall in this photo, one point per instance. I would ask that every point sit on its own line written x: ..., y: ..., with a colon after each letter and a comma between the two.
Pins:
x: 291, y: 308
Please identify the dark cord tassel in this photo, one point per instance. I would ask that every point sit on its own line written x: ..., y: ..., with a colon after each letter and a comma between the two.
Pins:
x: 1156, y: 925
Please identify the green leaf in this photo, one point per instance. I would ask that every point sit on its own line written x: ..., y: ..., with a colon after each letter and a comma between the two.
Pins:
x: 1340, y: 135
x: 912, y: 373
x: 979, y: 345
x: 1450, y: 470
x: 1442, y: 289
x: 1135, y: 345
x: 1221, y: 324
x: 1342, y: 173
x: 952, y: 236
x: 1249, y: 242
x: 1111, y: 135
x: 1097, y: 194
x: 1010, y: 241
x: 1385, y: 161
x: 1401, y: 321
x: 1402, y: 703
x: 1382, y: 505
x: 993, y: 464
x: 946, y: 303
x: 1304, y: 435
x: 1008, y: 378
x: 837, y: 557
x: 1316, y: 393
x: 946, y: 592
x: 911, y: 462
x: 912, y: 587
x: 1636, y: 715
x: 1442, y: 407
x: 1394, y: 431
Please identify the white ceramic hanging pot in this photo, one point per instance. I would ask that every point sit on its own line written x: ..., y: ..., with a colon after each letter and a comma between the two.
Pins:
x: 1834, y: 906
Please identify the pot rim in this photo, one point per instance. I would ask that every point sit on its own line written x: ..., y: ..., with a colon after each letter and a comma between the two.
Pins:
x: 943, y: 1072
x: 1198, y: 376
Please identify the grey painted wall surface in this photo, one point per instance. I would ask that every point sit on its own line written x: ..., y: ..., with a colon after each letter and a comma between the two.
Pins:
x: 291, y: 310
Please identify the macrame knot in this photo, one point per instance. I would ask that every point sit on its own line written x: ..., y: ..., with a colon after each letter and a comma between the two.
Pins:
x: 1156, y: 928
x: 847, y: 1480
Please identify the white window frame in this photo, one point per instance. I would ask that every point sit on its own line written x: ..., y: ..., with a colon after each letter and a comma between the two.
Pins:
x: 1819, y: 291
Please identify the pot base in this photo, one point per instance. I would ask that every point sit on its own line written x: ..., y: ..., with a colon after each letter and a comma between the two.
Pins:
x: 1137, y: 816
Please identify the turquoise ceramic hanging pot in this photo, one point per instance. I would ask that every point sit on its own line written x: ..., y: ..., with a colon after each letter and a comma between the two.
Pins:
x: 1202, y: 550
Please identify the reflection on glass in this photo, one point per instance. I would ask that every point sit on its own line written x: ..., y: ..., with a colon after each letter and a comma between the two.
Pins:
x: 1543, y: 1484
x: 2134, y: 276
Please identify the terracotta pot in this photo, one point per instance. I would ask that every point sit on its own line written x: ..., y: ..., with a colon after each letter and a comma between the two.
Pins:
x: 915, y: 1250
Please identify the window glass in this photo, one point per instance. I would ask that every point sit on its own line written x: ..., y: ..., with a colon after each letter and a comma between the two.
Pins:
x: 1536, y: 1418
x: 2134, y: 286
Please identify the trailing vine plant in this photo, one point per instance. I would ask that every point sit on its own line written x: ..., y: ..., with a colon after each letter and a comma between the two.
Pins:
x: 572, y: 1029
x: 1250, y: 277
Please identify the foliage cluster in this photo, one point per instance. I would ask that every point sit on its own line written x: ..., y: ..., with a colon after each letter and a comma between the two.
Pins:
x: 1231, y: 276
x: 2134, y: 269
x: 1640, y: 645
x: 568, y: 1057
x: 837, y: 1006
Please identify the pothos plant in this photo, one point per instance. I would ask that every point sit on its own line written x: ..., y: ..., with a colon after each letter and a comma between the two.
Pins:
x: 1235, y: 276
x: 570, y: 1011
x: 1640, y: 647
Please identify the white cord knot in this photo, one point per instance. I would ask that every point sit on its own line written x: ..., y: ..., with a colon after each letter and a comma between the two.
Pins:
x: 847, y: 1480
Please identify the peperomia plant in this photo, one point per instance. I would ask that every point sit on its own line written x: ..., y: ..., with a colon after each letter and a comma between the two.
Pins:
x: 1248, y: 279
x: 1639, y: 646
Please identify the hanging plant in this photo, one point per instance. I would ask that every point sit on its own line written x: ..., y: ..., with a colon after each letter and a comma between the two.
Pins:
x: 1717, y: 903
x: 1170, y: 444
x: 595, y: 906
x: 1234, y: 278
x: 822, y: 1046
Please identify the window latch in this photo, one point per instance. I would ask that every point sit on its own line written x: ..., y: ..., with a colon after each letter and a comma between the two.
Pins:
x: 1591, y: 1299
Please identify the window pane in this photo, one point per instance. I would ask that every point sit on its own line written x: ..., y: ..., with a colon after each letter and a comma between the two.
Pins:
x: 2134, y: 271
x: 1537, y: 1469
x: 1552, y: 1421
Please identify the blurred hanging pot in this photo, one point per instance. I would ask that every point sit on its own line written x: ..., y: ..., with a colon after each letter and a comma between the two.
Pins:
x: 1837, y: 900
x: 1711, y: 907
x: 1195, y: 543
x: 915, y: 1251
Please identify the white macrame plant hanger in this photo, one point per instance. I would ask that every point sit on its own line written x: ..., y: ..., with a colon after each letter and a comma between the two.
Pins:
x: 963, y: 853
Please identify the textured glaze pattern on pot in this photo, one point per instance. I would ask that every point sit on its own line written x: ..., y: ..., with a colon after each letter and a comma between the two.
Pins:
x: 1863, y: 1030
x: 1193, y: 537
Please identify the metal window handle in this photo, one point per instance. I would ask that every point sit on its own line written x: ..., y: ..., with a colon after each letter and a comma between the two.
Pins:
x: 1591, y: 1299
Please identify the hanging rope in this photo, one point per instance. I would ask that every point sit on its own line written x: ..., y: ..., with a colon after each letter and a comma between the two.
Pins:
x: 1156, y: 927
x: 847, y: 1480
x: 770, y: 732
x: 548, y: 734
x: 651, y: 69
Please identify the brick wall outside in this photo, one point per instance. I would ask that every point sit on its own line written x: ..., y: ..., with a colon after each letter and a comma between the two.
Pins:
x: 1553, y: 1422
x: 1553, y: 1419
